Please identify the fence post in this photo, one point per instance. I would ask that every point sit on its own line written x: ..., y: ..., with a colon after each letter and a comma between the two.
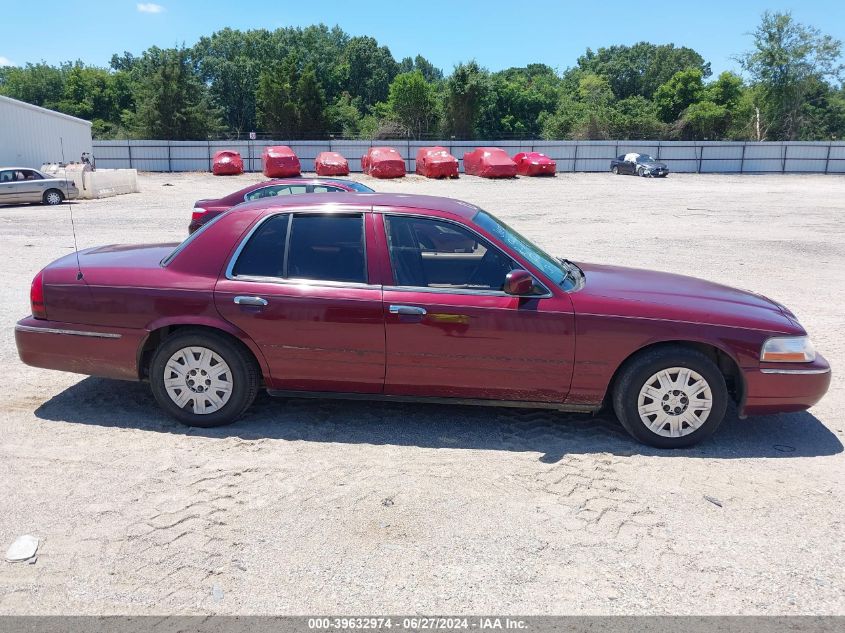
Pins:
x: 129, y: 149
x: 575, y: 157
x: 700, y: 157
x: 827, y: 160
x: 742, y: 161
x: 783, y: 158
x: 208, y: 143
x: 169, y: 165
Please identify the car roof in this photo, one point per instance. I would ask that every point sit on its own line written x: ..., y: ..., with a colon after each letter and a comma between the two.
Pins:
x: 15, y: 168
x: 398, y: 201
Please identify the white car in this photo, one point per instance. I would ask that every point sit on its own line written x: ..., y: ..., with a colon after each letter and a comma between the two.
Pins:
x: 23, y: 184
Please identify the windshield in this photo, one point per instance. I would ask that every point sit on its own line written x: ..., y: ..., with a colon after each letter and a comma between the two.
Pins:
x: 552, y: 268
x: 645, y: 158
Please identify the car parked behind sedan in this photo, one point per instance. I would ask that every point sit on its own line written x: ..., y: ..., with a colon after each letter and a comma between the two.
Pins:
x: 23, y: 184
x: 205, y: 210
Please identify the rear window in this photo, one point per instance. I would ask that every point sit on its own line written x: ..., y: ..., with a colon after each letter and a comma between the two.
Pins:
x: 357, y: 186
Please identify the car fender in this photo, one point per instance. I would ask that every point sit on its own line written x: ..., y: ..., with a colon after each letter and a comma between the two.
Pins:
x: 211, y: 322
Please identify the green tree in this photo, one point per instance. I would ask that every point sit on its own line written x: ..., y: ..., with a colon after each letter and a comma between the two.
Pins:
x: 368, y: 69
x: 466, y: 89
x: 683, y: 89
x: 39, y: 84
x: 310, y: 105
x: 412, y: 102
x: 787, y: 63
x: 172, y: 102
x: 276, y: 96
x: 640, y: 69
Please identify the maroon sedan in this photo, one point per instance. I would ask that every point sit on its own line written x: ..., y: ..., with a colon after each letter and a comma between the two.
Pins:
x: 345, y: 295
x: 206, y: 209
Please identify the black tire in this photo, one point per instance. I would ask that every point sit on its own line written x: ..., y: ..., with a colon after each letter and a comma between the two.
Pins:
x: 52, y: 197
x: 614, y: 170
x: 245, y: 377
x: 639, y: 369
x: 641, y: 172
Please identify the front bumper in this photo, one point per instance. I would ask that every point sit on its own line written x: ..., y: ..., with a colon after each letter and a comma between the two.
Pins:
x: 785, y: 387
x: 102, y: 351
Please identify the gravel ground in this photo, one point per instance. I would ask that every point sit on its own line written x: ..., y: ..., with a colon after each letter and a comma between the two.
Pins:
x: 308, y: 506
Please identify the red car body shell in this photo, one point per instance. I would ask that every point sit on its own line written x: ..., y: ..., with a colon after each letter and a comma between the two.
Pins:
x: 436, y: 162
x: 331, y: 164
x: 227, y: 163
x: 383, y: 162
x: 489, y: 162
x: 561, y: 350
x: 534, y: 164
x: 279, y: 161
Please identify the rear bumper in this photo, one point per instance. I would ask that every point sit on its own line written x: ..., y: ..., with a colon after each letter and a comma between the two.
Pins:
x: 793, y: 387
x: 92, y: 350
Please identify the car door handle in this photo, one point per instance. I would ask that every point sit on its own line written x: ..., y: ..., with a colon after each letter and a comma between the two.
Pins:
x: 250, y: 301
x: 413, y: 310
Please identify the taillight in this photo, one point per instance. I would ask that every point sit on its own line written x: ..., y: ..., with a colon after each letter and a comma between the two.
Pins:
x: 36, y: 297
x: 198, y: 213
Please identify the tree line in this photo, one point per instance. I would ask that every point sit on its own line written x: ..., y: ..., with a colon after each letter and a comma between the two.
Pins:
x: 316, y: 82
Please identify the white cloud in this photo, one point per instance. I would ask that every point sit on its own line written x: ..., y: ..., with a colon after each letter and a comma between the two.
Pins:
x: 5, y: 61
x: 149, y: 7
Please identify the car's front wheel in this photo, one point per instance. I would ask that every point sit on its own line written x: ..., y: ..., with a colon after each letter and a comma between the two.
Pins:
x: 53, y: 197
x: 670, y: 397
x: 203, y: 379
x: 614, y: 170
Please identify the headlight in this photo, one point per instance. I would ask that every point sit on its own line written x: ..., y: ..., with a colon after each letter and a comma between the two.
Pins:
x: 788, y: 349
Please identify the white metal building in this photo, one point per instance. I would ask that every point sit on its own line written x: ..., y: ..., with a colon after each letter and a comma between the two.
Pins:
x: 31, y: 136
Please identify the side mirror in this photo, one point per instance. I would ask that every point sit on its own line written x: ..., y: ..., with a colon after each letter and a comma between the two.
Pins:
x: 519, y: 283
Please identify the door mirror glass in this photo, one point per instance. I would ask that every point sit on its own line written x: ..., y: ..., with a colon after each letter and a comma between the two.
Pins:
x: 519, y: 283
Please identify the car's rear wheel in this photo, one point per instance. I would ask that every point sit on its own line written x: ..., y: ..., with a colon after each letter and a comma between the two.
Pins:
x: 53, y: 197
x: 615, y: 170
x: 670, y: 397
x: 203, y: 379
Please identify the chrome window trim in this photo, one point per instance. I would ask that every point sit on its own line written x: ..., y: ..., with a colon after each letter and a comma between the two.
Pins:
x: 464, y: 291
x: 297, y: 281
x: 303, y: 282
x: 388, y: 214
x: 805, y: 372
x: 51, y: 330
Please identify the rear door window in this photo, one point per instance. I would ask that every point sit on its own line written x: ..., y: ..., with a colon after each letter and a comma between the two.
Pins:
x: 327, y: 247
x: 323, y: 247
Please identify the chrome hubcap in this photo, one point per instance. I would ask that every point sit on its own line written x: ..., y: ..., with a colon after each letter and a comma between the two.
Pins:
x: 53, y: 198
x: 198, y: 378
x: 675, y: 402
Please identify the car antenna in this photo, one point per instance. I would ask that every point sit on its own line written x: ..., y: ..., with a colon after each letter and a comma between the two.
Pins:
x: 70, y: 209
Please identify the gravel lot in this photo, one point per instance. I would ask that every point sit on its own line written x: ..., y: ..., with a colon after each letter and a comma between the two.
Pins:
x: 308, y: 506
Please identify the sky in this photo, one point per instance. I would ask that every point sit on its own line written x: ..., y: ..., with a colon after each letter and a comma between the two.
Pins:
x: 496, y: 33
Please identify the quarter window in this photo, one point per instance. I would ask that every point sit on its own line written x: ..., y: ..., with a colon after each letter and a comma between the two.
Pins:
x: 434, y: 254
x: 264, y: 253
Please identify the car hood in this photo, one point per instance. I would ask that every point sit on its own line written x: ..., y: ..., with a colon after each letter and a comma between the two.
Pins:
x: 633, y: 292
x: 654, y: 165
